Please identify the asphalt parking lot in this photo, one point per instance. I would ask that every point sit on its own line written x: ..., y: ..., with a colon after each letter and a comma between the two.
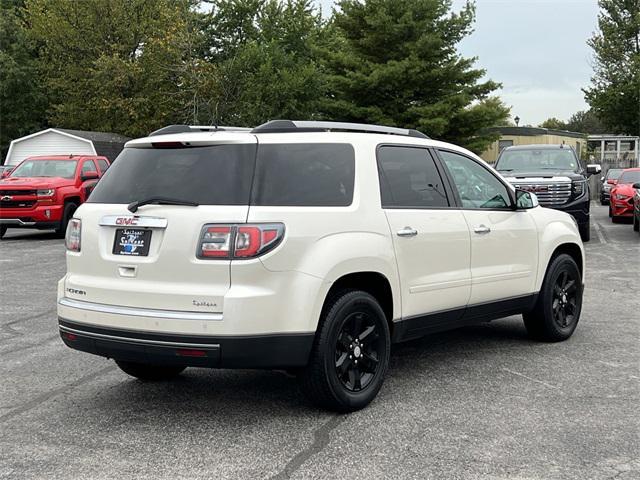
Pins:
x: 481, y: 402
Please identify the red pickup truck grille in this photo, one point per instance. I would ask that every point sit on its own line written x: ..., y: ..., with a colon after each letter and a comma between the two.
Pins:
x: 17, y: 192
x: 17, y: 203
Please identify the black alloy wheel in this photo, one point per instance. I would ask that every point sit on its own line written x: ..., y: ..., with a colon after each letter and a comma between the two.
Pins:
x: 556, y: 313
x: 350, y: 354
x: 358, y: 351
x: 565, y: 298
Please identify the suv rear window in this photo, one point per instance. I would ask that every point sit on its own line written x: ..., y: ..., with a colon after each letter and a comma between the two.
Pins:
x: 310, y: 174
x: 212, y: 175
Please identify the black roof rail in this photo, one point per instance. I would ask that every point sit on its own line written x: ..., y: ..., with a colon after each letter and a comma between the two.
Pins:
x: 196, y: 128
x: 283, y: 126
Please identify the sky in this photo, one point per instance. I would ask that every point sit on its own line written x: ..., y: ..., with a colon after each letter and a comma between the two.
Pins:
x: 537, y: 49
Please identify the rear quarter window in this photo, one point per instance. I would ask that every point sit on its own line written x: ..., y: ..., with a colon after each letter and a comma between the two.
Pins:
x: 309, y: 175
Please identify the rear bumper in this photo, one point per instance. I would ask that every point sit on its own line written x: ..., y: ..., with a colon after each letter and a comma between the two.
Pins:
x: 247, y: 351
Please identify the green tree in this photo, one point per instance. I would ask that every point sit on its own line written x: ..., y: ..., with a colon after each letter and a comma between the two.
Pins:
x: 264, y: 52
x: 111, y: 64
x: 614, y: 94
x: 554, y: 124
x: 586, y: 122
x: 396, y: 62
x: 22, y: 101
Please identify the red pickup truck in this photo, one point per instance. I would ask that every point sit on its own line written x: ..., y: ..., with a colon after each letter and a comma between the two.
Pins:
x: 43, y: 192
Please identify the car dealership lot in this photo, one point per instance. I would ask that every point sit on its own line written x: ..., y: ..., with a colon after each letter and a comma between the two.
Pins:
x: 481, y: 402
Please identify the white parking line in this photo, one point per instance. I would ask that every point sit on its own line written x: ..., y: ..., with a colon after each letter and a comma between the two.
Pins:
x: 596, y: 227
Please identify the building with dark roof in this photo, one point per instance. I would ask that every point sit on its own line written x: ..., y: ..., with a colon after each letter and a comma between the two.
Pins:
x: 62, y: 141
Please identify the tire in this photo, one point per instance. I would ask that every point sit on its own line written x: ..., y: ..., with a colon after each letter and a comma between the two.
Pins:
x: 610, y: 212
x: 585, y: 231
x: 67, y: 215
x: 352, y: 327
x: 636, y: 224
x: 148, y: 372
x: 3, y: 230
x: 557, y: 311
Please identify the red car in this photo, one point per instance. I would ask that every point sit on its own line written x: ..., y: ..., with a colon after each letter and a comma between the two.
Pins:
x: 621, y: 201
x: 43, y: 192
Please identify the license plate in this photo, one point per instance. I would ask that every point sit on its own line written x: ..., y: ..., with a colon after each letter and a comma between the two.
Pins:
x: 132, y: 241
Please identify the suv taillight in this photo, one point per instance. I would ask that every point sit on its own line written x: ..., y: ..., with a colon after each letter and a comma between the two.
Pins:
x: 239, y: 241
x: 73, y: 235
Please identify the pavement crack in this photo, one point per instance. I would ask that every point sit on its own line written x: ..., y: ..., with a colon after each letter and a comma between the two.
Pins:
x: 513, y: 372
x: 53, y: 393
x: 21, y: 348
x: 320, y: 441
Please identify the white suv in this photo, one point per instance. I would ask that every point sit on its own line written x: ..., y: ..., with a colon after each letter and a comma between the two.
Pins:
x: 306, y: 246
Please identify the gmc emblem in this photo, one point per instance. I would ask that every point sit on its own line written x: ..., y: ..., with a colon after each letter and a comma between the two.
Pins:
x: 127, y: 221
x: 534, y: 188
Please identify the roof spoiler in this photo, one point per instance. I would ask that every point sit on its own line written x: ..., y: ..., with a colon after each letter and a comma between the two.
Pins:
x: 196, y: 128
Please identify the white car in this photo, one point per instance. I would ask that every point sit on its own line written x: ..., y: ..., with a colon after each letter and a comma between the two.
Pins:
x: 306, y: 246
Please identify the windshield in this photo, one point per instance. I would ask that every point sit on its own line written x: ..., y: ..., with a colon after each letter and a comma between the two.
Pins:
x: 213, y: 175
x: 630, y: 177
x: 537, y: 159
x: 45, y: 168
x: 614, y: 173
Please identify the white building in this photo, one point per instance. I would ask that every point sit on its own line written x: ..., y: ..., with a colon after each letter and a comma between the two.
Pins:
x: 615, y: 150
x: 60, y: 141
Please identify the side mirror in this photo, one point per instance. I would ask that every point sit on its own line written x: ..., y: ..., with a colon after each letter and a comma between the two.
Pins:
x: 89, y: 176
x: 636, y: 186
x: 602, y: 179
x: 525, y: 200
x: 593, y: 169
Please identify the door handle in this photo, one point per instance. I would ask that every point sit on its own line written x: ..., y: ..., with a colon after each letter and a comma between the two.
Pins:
x: 482, y: 229
x: 407, y: 232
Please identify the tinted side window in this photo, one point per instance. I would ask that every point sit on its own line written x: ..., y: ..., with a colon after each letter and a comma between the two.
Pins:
x: 317, y: 174
x: 477, y: 186
x: 103, y: 165
x: 409, y: 178
x: 88, y: 167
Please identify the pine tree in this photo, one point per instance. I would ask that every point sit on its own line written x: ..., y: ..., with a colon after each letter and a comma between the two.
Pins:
x: 396, y: 63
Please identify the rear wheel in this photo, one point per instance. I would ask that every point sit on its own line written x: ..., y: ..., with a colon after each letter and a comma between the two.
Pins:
x: 350, y: 353
x: 636, y: 223
x: 67, y: 215
x: 610, y: 212
x: 3, y: 230
x: 557, y: 310
x: 148, y: 372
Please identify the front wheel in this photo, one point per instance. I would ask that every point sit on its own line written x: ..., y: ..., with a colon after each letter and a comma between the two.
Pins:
x: 585, y: 231
x: 636, y: 224
x: 350, y: 354
x: 148, y: 372
x: 557, y: 310
x: 67, y: 215
x: 3, y: 230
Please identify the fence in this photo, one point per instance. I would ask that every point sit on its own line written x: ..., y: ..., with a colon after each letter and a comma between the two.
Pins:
x: 595, y: 182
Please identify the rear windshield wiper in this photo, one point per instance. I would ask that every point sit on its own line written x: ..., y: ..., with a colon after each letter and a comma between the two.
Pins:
x: 133, y: 206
